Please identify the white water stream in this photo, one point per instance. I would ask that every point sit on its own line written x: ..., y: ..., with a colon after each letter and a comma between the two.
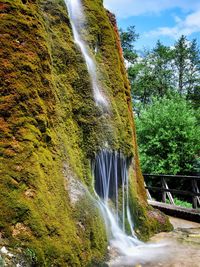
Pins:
x: 78, y: 20
x: 110, y: 170
x: 111, y: 184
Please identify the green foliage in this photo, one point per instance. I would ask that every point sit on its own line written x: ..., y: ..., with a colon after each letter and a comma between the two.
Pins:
x: 187, y: 68
x: 193, y: 83
x: 181, y: 54
x: 168, y: 136
x: 152, y: 75
x: 128, y: 39
x: 164, y: 70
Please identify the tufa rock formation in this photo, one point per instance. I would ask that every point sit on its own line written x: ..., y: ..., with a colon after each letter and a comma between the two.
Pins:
x: 51, y: 129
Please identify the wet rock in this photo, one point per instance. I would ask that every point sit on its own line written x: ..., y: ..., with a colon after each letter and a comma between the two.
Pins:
x: 74, y: 187
x: 13, y: 258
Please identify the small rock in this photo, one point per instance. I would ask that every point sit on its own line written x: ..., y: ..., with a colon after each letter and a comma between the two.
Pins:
x: 4, y: 250
x: 30, y: 193
x: 20, y: 228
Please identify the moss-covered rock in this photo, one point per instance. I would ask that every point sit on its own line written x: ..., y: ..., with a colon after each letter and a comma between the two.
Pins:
x: 51, y: 129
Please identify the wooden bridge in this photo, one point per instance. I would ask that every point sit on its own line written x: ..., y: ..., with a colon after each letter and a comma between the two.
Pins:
x: 160, y: 185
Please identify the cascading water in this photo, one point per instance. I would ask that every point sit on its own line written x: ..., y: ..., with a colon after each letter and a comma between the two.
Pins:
x: 111, y: 175
x: 110, y: 171
x: 77, y: 20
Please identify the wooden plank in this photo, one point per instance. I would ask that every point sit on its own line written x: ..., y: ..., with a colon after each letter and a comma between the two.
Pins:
x: 175, y: 191
x: 176, y: 211
x: 172, y: 176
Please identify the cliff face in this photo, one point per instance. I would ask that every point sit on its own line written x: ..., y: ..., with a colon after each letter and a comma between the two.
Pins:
x: 51, y: 129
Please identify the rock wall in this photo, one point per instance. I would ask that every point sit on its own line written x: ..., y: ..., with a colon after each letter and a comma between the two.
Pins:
x: 51, y: 129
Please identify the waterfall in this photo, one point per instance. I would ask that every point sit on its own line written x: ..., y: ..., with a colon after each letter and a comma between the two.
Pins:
x: 110, y: 170
x: 78, y: 20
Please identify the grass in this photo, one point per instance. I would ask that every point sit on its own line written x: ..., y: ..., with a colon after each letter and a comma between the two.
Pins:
x: 181, y: 203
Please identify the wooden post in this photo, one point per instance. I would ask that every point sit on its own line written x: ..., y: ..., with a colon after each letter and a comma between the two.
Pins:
x: 148, y: 194
x: 164, y: 194
x: 197, y: 190
x: 194, y: 190
x: 164, y: 185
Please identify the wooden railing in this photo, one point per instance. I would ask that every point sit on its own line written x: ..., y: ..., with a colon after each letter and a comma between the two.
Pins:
x: 194, y: 191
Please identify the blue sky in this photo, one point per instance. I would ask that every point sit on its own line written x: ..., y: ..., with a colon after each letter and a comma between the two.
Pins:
x: 165, y: 20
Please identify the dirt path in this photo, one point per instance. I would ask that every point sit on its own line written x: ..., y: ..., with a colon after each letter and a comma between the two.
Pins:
x: 185, y: 241
x: 180, y: 223
x: 179, y: 248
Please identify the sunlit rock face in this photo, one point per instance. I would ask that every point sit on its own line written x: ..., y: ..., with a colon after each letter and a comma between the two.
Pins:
x: 52, y: 128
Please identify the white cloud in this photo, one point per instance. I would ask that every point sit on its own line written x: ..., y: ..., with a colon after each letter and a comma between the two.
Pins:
x: 187, y: 26
x: 128, y: 8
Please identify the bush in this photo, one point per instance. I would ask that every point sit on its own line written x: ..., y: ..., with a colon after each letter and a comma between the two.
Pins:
x: 168, y: 137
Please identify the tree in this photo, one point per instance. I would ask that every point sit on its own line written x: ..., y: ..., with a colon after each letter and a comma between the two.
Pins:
x: 128, y: 39
x: 181, y: 56
x: 168, y: 137
x: 164, y: 70
x: 142, y: 81
x: 143, y: 84
x: 193, y: 83
x: 151, y: 76
x: 161, y: 60
x: 187, y: 66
